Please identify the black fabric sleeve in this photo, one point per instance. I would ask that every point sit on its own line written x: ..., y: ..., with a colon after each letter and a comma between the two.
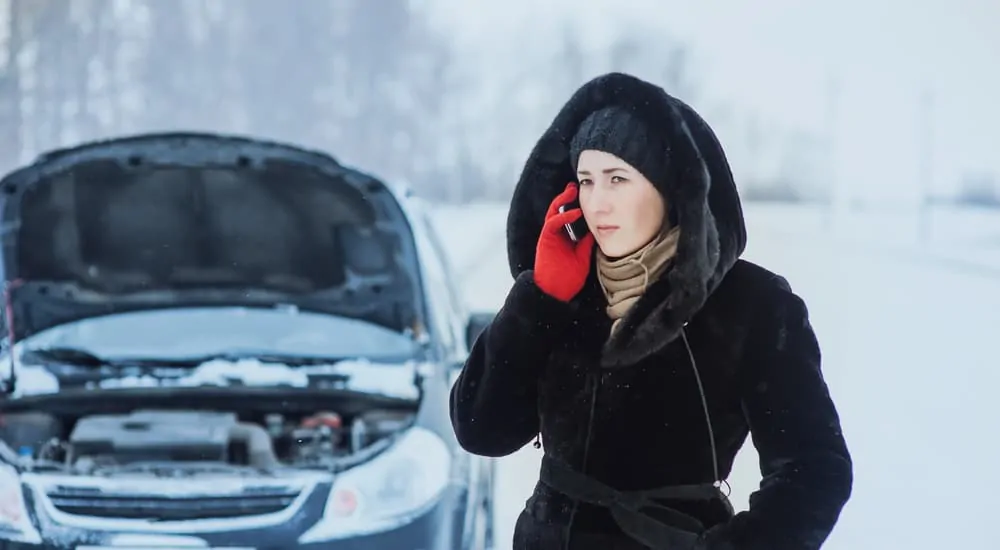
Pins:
x: 494, y: 401
x: 807, y: 472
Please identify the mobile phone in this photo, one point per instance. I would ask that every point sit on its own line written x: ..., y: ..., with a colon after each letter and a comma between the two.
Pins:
x: 575, y: 230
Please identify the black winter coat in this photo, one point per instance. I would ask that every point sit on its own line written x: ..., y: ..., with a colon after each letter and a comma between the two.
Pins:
x: 716, y: 349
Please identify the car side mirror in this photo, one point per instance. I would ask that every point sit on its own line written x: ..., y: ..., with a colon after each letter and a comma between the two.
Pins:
x: 477, y: 324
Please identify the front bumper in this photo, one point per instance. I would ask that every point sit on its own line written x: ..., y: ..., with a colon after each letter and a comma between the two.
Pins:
x: 427, y: 530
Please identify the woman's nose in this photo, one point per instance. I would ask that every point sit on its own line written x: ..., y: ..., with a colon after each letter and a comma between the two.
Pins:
x: 600, y: 199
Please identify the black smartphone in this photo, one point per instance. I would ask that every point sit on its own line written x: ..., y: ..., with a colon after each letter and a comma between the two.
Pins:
x: 575, y: 230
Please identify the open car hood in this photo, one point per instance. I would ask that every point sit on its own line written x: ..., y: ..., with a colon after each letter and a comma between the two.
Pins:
x: 175, y: 220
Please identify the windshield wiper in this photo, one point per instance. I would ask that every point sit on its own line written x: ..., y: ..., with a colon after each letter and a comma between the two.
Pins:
x: 78, y: 357
x: 70, y: 356
x: 84, y: 358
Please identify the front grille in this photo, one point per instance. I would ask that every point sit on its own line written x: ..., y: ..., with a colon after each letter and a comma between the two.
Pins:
x: 93, y: 502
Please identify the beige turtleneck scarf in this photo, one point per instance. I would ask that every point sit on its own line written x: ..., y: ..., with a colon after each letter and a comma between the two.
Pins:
x: 625, y: 279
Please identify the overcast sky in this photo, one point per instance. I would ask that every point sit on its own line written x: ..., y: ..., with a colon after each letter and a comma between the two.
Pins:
x: 779, y: 56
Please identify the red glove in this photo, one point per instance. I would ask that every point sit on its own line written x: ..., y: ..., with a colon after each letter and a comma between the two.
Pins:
x: 562, y: 266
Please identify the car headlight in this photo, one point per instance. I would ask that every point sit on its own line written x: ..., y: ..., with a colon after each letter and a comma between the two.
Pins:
x: 390, y: 491
x: 15, y: 525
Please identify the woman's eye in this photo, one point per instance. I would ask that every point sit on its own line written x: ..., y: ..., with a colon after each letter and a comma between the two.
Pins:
x: 585, y: 182
x: 617, y: 179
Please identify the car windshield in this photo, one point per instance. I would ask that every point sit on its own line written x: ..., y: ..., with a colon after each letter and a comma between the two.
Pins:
x: 195, y: 332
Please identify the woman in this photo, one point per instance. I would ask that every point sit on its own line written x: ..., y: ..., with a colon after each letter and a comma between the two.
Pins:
x: 644, y: 362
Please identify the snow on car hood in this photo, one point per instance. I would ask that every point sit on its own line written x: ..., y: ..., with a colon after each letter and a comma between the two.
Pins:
x: 394, y: 380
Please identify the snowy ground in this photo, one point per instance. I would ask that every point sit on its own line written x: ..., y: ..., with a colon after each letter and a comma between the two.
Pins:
x: 908, y: 332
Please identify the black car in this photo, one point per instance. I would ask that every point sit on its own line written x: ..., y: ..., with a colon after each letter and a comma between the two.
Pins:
x: 221, y: 342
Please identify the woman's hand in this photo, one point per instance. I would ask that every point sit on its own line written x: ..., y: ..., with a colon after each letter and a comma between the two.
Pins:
x: 561, y: 265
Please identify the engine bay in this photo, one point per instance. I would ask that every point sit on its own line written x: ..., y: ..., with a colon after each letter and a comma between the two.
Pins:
x: 152, y: 440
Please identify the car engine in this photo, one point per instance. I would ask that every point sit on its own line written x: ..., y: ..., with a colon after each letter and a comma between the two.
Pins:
x: 170, y: 436
x: 168, y: 440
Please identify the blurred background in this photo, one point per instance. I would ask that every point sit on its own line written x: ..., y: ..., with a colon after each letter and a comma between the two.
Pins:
x: 864, y: 137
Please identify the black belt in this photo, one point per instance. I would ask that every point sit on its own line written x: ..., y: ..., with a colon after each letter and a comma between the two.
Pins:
x: 670, y: 530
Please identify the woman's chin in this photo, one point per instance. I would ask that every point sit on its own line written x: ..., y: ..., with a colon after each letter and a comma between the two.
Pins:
x: 613, y: 248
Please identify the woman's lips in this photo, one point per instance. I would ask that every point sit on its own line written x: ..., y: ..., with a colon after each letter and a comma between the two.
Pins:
x: 606, y: 229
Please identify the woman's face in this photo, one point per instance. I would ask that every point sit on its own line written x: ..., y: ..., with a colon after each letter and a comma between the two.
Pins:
x: 623, y: 209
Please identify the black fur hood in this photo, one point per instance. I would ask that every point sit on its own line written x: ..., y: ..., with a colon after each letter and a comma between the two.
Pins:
x: 700, y: 189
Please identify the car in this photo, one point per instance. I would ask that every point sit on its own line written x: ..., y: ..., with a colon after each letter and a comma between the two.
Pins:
x: 218, y: 341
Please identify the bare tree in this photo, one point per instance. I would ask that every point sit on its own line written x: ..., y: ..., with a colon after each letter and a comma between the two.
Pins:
x: 10, y: 84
